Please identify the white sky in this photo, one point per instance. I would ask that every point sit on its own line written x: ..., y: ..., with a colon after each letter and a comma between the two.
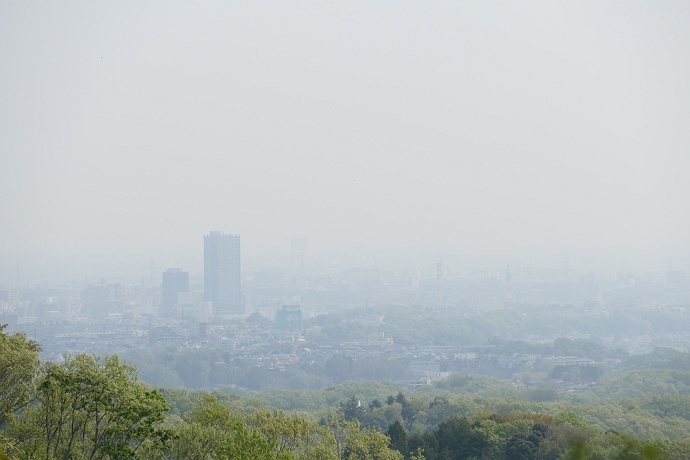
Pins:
x: 523, y: 131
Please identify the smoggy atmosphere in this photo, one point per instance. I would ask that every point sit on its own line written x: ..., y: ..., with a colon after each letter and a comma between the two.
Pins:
x: 538, y: 133
x: 345, y: 230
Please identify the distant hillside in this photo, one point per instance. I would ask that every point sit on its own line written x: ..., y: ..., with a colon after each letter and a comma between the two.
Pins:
x: 637, y: 383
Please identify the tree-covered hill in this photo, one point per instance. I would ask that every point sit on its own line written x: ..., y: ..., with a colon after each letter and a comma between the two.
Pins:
x: 86, y: 407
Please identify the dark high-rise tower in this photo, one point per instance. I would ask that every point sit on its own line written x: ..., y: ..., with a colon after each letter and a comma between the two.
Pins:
x: 222, y: 274
x: 174, y: 281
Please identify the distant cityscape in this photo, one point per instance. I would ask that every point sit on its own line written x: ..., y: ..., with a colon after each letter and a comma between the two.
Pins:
x: 273, y: 319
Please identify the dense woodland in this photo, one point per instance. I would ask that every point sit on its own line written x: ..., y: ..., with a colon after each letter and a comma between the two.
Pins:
x: 88, y: 407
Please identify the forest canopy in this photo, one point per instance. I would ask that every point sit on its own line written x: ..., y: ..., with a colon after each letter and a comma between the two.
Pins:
x: 86, y: 407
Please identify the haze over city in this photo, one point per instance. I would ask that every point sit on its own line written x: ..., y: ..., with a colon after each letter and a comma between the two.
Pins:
x: 534, y: 134
x: 345, y: 230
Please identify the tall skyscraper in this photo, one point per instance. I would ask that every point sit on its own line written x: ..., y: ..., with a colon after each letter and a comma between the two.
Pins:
x: 174, y: 281
x: 222, y: 274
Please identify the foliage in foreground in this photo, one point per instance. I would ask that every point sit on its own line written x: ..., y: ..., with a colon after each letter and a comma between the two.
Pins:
x: 91, y: 408
x: 18, y: 364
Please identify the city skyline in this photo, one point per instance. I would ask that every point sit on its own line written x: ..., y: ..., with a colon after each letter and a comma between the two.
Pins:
x: 29, y: 271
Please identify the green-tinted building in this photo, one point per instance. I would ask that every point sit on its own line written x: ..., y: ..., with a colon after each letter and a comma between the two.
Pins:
x: 289, y: 317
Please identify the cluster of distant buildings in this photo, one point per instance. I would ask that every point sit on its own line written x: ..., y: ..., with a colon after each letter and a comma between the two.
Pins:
x: 220, y: 297
x: 222, y: 294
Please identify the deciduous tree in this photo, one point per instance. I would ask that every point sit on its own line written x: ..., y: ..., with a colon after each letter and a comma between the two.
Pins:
x: 18, y: 365
x: 90, y: 408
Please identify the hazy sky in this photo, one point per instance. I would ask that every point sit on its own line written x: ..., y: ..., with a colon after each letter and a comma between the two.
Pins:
x: 529, y: 132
